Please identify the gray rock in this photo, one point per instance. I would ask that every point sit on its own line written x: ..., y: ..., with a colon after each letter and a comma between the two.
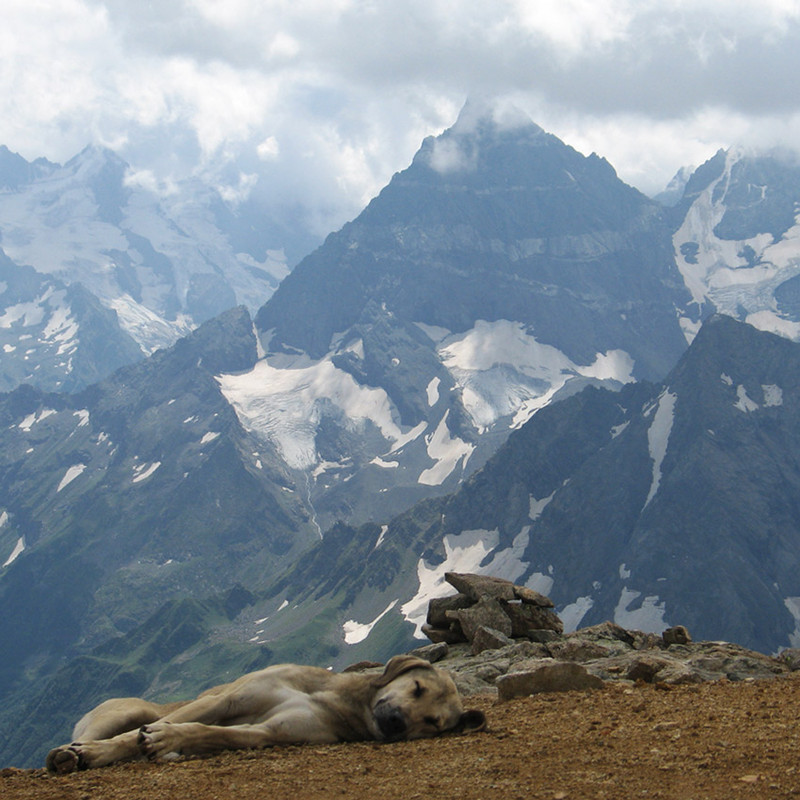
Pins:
x: 555, y: 676
x: 645, y: 667
x: 431, y: 652
x: 489, y: 639
x: 526, y: 618
x: 486, y: 612
x: 791, y: 657
x: 543, y: 636
x: 530, y: 597
x: 478, y: 586
x: 443, y: 635
x: 676, y: 635
x: 605, y: 630
x: 578, y: 650
x: 439, y: 606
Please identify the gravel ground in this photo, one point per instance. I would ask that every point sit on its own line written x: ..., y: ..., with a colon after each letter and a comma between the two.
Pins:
x: 714, y: 740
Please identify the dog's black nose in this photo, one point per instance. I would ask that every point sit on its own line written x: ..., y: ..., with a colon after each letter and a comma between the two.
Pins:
x: 391, y: 722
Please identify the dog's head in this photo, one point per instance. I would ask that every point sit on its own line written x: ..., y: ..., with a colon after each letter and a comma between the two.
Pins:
x: 414, y: 700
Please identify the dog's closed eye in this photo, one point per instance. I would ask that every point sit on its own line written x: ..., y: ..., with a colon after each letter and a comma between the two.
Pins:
x: 431, y: 721
x: 419, y: 689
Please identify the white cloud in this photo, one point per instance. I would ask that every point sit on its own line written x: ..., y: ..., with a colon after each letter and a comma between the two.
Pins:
x: 324, y: 99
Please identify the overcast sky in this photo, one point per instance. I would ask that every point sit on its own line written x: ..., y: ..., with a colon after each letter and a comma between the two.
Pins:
x: 323, y: 100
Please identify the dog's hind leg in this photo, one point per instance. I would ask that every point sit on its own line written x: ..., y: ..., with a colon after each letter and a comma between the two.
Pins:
x: 116, y: 716
x: 106, y: 734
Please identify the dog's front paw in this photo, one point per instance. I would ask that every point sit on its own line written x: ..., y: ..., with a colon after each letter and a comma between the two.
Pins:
x: 65, y: 759
x: 158, y: 739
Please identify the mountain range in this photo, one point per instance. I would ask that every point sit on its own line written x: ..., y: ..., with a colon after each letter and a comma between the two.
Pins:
x: 100, y: 265
x: 478, y: 373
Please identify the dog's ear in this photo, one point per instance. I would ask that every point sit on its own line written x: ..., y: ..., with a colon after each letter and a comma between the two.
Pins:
x: 471, y: 721
x: 397, y: 666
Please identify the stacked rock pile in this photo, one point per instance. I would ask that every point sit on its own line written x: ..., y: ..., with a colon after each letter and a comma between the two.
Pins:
x: 490, y: 612
x: 493, y: 635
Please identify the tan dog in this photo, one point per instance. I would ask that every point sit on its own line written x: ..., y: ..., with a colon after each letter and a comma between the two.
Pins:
x: 284, y: 704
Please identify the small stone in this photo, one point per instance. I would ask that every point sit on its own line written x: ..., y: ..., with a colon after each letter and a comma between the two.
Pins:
x: 446, y: 635
x: 530, y: 597
x: 431, y: 652
x: 676, y: 635
x: 645, y: 668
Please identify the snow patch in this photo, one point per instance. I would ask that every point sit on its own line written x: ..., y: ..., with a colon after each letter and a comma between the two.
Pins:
x: 464, y: 552
x: 381, y: 537
x: 541, y: 583
x: 144, y: 471
x: 503, y: 371
x: 432, y: 391
x: 37, y: 416
x: 743, y: 402
x: 508, y: 563
x: 537, y: 506
x: 83, y: 417
x: 618, y: 429
x: 379, y: 462
x: 572, y: 614
x: 649, y: 617
x: 70, y: 475
x: 209, y: 437
x: 658, y: 437
x: 355, y: 632
x: 447, y: 451
x: 773, y: 395
x: 793, y: 606
x: 738, y: 277
x: 18, y: 549
x: 284, y: 403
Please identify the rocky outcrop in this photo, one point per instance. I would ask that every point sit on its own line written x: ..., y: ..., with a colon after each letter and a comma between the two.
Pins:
x: 491, y: 637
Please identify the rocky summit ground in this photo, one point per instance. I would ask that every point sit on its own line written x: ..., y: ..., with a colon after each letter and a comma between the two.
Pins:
x: 717, y: 739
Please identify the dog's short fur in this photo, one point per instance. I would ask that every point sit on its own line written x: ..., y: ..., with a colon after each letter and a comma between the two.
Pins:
x: 284, y: 704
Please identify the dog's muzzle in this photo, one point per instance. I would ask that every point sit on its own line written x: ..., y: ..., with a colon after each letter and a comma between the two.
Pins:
x: 391, y: 722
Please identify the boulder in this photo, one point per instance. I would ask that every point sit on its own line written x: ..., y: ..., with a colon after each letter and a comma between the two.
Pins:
x: 553, y: 676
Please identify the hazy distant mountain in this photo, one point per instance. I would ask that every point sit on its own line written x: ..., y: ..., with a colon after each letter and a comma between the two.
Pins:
x: 160, y: 261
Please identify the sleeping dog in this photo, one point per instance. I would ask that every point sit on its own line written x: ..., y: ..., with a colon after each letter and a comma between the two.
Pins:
x: 282, y: 704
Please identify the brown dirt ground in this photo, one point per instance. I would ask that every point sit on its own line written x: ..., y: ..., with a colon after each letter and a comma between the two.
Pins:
x: 716, y: 740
